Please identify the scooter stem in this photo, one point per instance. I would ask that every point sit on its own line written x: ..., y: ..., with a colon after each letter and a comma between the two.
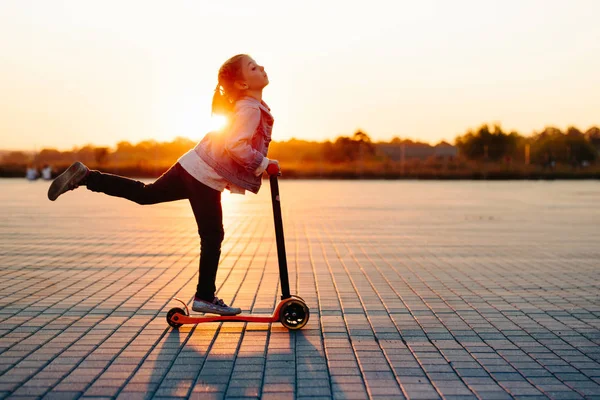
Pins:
x: 283, y: 271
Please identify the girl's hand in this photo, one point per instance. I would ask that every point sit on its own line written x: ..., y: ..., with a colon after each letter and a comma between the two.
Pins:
x: 271, y: 170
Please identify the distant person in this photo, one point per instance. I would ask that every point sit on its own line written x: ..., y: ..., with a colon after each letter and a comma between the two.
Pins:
x: 47, y: 172
x: 31, y: 173
x: 233, y: 158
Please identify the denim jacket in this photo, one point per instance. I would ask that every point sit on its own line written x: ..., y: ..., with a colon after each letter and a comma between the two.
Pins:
x: 236, y: 151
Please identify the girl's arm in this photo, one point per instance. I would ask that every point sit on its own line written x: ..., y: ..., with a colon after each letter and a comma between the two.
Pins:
x: 239, y: 143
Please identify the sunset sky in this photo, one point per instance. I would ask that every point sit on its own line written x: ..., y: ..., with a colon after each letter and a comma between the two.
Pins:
x: 78, y: 72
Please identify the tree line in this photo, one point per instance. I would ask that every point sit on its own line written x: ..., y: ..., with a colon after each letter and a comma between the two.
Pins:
x: 551, y: 144
x: 486, y: 143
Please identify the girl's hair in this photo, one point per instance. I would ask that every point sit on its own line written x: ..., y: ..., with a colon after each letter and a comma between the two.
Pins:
x: 226, y: 93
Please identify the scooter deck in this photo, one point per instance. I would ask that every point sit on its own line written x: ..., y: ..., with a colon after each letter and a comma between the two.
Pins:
x: 179, y: 318
x: 190, y: 319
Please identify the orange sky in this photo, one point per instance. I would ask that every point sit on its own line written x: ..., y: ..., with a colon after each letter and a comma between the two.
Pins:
x: 77, y: 72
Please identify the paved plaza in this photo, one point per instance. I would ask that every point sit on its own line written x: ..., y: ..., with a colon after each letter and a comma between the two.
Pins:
x: 420, y: 290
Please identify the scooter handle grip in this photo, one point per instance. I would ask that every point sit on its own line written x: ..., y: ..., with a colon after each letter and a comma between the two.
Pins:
x: 273, y: 169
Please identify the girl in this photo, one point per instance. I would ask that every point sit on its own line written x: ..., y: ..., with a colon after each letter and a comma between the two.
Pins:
x: 233, y: 158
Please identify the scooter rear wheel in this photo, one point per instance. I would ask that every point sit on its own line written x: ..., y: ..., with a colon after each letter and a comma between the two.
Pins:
x: 294, y: 314
x: 170, y: 314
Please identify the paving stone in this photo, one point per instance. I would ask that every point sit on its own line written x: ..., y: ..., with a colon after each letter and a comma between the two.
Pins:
x: 493, y: 296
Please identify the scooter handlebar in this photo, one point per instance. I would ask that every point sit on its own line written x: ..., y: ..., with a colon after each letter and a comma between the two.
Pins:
x: 273, y: 169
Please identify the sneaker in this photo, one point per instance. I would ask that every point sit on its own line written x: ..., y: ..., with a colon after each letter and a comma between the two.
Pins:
x: 217, y: 306
x: 68, y: 180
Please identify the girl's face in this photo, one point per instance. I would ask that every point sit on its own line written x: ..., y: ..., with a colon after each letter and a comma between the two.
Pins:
x: 255, y: 77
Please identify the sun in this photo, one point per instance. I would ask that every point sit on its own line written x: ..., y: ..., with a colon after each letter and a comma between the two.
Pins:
x: 193, y: 127
x: 217, y: 122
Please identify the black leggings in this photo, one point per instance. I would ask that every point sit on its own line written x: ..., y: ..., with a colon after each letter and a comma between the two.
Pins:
x: 177, y: 184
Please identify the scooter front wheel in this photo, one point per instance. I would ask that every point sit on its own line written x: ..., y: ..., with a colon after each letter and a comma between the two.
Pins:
x: 294, y: 314
x: 172, y: 318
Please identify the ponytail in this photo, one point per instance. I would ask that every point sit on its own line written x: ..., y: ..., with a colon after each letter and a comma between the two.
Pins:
x: 226, y: 94
x: 220, y: 103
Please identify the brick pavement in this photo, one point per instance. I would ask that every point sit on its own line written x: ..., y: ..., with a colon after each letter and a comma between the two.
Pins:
x: 417, y: 290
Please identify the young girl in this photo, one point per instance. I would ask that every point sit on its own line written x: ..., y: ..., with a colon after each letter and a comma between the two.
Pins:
x: 233, y: 158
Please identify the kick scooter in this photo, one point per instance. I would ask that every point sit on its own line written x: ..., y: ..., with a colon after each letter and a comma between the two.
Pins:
x: 292, y: 311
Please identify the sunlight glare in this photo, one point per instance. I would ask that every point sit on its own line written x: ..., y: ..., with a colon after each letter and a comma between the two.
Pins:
x: 232, y: 203
x: 218, y: 122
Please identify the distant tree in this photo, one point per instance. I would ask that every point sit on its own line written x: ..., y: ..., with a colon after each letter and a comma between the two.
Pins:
x: 365, y: 145
x: 16, y: 158
x: 569, y: 147
x: 493, y: 144
x: 52, y: 156
x: 347, y: 149
x: 85, y: 154
x: 295, y: 151
x: 592, y: 135
x: 360, y: 136
x: 579, y: 148
x: 101, y: 155
x: 329, y: 152
x: 574, y: 132
x: 124, y: 147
